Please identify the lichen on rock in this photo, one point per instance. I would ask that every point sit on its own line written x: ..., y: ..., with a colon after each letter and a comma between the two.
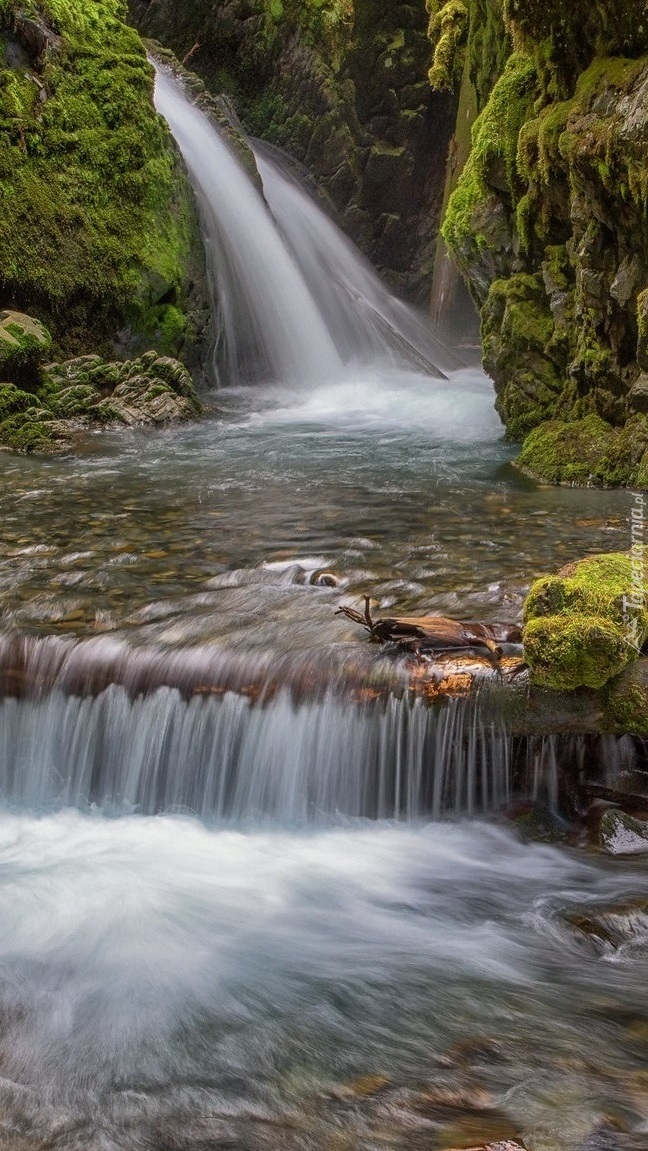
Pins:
x: 581, y: 626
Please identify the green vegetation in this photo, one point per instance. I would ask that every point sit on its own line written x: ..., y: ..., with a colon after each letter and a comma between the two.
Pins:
x: 581, y: 628
x: 90, y: 392
x: 588, y: 452
x: 97, y: 222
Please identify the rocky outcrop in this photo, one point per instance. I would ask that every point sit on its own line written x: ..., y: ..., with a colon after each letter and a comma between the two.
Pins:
x: 97, y: 231
x: 548, y: 225
x: 342, y: 86
x: 90, y: 393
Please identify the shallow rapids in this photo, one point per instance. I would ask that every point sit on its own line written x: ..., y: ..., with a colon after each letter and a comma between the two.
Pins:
x: 165, y: 982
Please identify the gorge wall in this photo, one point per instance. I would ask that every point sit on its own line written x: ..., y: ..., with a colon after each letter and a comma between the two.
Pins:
x: 548, y: 223
x: 343, y: 87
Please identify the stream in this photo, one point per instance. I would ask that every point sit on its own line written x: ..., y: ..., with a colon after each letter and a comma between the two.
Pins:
x: 248, y: 922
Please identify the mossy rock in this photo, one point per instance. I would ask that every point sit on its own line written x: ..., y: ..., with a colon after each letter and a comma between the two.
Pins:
x: 583, y: 626
x: 98, y: 227
x: 86, y: 391
x: 627, y: 702
x: 588, y: 452
x: 24, y: 344
x: 27, y: 432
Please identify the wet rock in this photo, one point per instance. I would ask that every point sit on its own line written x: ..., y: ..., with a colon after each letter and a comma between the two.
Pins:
x: 622, y: 834
x: 609, y: 928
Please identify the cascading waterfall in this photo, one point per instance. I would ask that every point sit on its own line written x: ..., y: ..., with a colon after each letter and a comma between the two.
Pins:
x: 368, y: 323
x: 296, y: 300
x: 270, y: 323
x: 229, y: 758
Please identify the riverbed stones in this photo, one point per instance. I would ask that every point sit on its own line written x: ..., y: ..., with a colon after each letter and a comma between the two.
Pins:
x: 622, y: 834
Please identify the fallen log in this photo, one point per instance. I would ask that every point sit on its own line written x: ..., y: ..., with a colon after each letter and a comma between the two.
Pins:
x: 434, y: 633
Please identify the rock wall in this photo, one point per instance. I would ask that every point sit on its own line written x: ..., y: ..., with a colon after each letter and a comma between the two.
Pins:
x: 342, y: 86
x: 98, y: 236
x: 548, y: 223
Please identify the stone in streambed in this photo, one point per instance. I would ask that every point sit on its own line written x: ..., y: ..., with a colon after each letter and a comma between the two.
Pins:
x: 622, y: 834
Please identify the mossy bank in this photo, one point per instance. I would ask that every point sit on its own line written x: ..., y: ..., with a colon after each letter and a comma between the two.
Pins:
x: 98, y: 236
x: 548, y: 223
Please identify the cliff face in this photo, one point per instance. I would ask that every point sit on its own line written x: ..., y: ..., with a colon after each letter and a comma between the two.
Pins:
x: 97, y: 229
x: 342, y: 86
x: 548, y: 223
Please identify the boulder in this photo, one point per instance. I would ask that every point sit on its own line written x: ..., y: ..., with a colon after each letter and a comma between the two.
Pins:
x: 24, y: 344
x: 583, y: 626
x: 622, y: 834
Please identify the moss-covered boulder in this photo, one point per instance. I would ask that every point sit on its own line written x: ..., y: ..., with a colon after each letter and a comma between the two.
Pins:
x: 24, y: 345
x: 97, y: 229
x: 88, y: 392
x: 583, y: 626
x: 588, y: 452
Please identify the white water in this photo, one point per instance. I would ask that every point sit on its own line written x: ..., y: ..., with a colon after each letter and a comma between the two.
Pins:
x: 369, y: 323
x: 295, y: 299
x: 225, y: 758
x: 161, y: 980
x: 272, y: 327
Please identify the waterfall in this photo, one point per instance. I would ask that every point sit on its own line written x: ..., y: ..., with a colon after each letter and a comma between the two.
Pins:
x: 368, y: 323
x: 270, y: 323
x: 227, y: 757
x: 296, y: 301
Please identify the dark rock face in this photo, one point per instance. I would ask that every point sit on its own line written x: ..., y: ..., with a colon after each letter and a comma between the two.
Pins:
x: 343, y: 88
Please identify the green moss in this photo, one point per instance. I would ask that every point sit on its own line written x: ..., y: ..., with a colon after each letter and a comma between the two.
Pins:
x: 493, y: 157
x: 447, y: 31
x: 13, y: 400
x: 21, y: 433
x: 568, y: 453
x: 587, y: 452
x: 585, y: 625
x: 96, y: 220
x: 565, y: 654
x: 627, y: 707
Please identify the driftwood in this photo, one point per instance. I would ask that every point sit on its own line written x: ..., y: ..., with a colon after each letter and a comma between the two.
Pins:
x: 434, y: 633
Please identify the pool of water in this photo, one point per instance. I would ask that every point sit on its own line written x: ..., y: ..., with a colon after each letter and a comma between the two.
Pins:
x: 400, y: 484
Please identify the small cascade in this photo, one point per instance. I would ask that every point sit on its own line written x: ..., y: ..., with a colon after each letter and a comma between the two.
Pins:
x: 225, y: 736
x: 229, y: 758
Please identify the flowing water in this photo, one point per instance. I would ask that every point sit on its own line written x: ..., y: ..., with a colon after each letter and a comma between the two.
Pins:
x: 235, y: 912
